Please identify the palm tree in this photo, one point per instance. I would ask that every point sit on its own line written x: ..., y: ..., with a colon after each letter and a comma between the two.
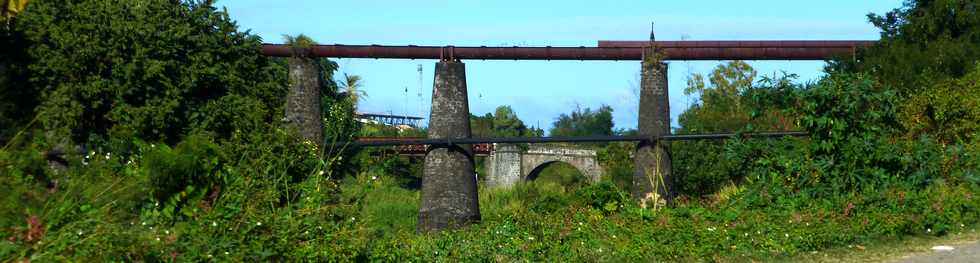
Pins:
x: 351, y: 85
x: 301, y: 40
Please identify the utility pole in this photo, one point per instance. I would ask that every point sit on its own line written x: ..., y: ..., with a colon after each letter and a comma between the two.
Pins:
x: 421, y: 101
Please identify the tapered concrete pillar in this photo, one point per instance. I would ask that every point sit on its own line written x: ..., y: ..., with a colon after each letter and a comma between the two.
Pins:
x: 303, y: 101
x: 449, y: 194
x: 504, y: 165
x: 652, y: 179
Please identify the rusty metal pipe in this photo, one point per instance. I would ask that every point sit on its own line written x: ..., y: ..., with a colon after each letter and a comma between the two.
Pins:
x: 742, y: 44
x: 607, y: 50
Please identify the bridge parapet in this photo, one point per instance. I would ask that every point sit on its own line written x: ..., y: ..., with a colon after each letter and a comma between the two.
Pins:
x: 560, y: 150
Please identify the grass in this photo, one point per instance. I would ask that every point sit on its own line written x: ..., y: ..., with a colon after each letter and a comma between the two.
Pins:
x: 372, y: 216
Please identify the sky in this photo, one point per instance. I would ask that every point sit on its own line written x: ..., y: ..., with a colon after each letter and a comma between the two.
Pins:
x: 539, y: 91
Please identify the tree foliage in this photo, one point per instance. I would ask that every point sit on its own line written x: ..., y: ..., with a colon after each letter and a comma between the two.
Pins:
x: 503, y: 122
x: 583, y: 122
x: 158, y: 67
x: 927, y: 50
x: 924, y: 41
x: 733, y: 100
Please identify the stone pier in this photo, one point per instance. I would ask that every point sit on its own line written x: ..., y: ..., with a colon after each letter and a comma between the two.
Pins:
x: 652, y: 179
x: 449, y: 196
x: 504, y: 165
x: 303, y: 101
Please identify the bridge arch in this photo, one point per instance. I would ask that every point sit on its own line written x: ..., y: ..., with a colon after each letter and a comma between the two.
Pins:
x: 536, y: 171
x: 538, y: 157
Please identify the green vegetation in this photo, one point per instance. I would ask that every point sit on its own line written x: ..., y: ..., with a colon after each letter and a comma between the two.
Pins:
x: 584, y: 122
x: 158, y: 137
x: 503, y: 122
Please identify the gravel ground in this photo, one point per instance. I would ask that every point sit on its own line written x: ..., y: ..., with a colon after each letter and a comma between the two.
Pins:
x: 961, y: 253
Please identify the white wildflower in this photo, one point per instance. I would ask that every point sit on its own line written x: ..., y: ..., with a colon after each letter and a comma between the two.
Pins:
x: 158, y: 239
x: 107, y: 155
x: 928, y: 230
x: 352, y: 218
x: 321, y: 172
x: 258, y: 223
x: 143, y: 223
x: 374, y: 178
x: 214, y: 223
x: 530, y: 238
x: 226, y: 252
x: 80, y: 232
x: 712, y: 229
x: 787, y: 235
x: 209, y: 256
x: 166, y: 232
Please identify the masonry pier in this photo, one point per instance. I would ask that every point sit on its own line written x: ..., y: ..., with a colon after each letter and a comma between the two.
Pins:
x: 652, y: 178
x: 303, y: 100
x: 449, y: 196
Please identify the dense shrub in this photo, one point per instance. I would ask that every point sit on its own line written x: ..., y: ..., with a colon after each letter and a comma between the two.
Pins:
x: 616, y: 160
x: 949, y: 110
x: 188, y: 169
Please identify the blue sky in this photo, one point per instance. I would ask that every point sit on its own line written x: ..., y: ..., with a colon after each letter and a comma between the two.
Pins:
x: 541, y: 90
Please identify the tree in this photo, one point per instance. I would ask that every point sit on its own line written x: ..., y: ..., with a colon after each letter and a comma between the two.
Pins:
x: 927, y: 50
x: 720, y: 105
x: 727, y: 104
x: 503, y: 122
x: 159, y: 68
x: 921, y: 42
x: 351, y: 86
x: 583, y: 122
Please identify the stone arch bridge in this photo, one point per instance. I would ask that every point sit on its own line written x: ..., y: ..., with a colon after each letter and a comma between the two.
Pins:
x: 509, y: 164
